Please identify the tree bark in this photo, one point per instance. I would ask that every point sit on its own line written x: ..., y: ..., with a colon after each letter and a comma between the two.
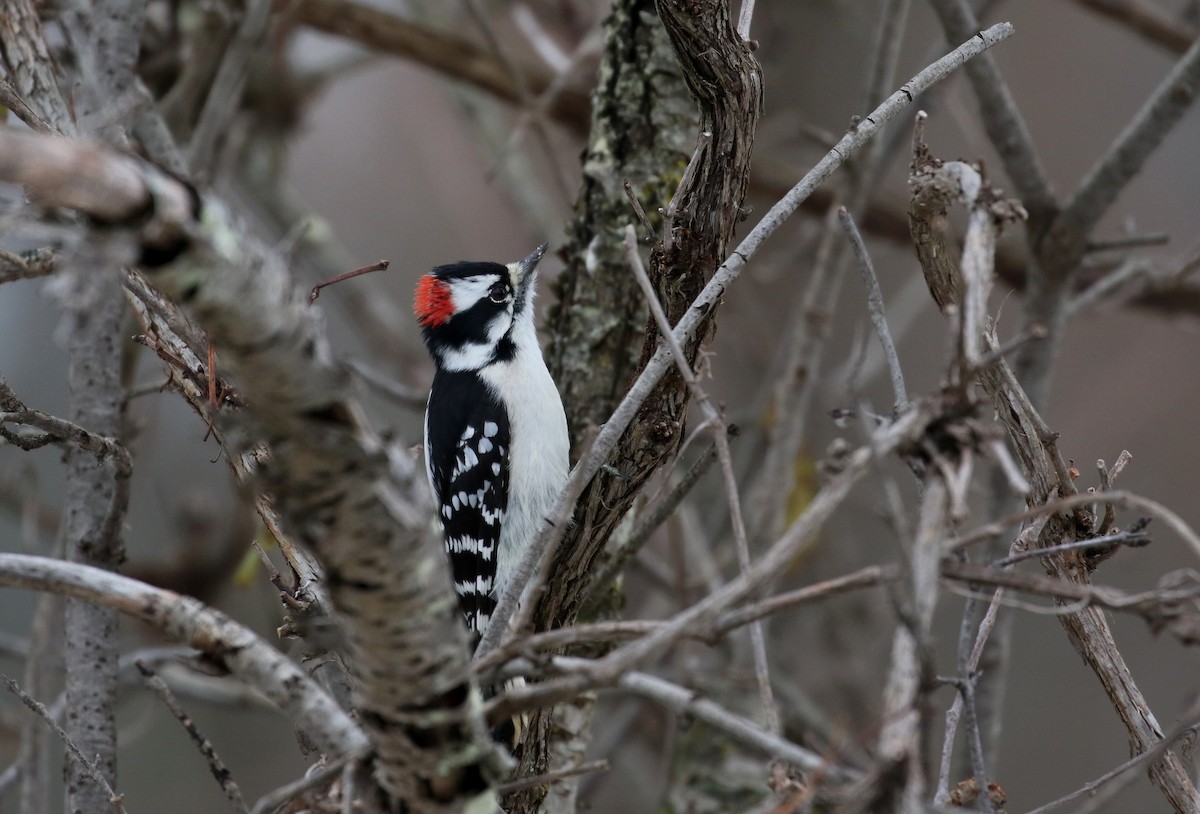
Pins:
x: 94, y: 509
x: 642, y: 126
x: 725, y: 82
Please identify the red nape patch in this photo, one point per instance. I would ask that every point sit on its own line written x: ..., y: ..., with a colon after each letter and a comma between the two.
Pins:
x: 432, y: 304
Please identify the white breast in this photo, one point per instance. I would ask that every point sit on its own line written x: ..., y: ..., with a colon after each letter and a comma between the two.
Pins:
x: 539, y: 457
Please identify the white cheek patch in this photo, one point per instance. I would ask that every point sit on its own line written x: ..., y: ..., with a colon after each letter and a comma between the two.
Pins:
x: 466, y: 291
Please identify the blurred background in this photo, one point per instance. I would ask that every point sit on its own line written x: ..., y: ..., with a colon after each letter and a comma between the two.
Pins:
x: 381, y: 157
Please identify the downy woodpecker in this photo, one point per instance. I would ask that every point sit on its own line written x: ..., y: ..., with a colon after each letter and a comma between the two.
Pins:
x: 496, y: 444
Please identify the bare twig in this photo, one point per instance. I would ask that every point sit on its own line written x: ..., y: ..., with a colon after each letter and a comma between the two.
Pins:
x: 11, y: 99
x: 226, y: 92
x: 1127, y: 242
x: 1005, y: 127
x: 1124, y: 159
x: 224, y: 779
x: 876, y: 310
x: 686, y: 702
x: 378, y: 265
x: 1146, y: 21
x: 550, y: 777
x: 1101, y: 789
x: 1128, y: 270
x: 1118, y: 497
x: 115, y: 801
x: 867, y: 577
x: 272, y: 801
x: 1134, y: 538
x: 650, y: 521
x: 717, y: 427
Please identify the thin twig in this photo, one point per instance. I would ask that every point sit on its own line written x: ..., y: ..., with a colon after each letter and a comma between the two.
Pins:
x: 378, y: 265
x: 1131, y: 268
x: 649, y: 523
x: 966, y: 695
x: 116, y: 801
x: 224, y: 779
x: 273, y: 800
x: 551, y: 777
x: 720, y: 435
x: 875, y: 310
x: 1134, y: 538
x: 683, y: 701
x: 1190, y: 720
x: 1128, y: 153
x: 1026, y: 539
x: 403, y: 395
x: 11, y: 98
x: 226, y: 92
x: 1127, y: 242
x: 1118, y: 497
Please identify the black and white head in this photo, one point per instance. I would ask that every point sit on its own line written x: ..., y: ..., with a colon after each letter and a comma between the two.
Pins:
x: 473, y: 314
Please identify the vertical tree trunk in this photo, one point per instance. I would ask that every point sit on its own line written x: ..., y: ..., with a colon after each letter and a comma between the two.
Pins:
x: 643, y: 125
x: 92, y: 523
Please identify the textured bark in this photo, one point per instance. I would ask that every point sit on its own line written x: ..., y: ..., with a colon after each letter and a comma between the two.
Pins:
x: 642, y: 127
x: 726, y: 84
x: 28, y: 64
x: 725, y: 81
x: 358, y: 503
x: 93, y: 509
x: 359, y: 506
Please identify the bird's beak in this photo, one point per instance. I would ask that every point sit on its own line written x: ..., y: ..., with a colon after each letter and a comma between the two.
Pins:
x: 523, y: 272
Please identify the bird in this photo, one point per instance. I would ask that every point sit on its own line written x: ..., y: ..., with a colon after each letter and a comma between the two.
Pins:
x: 496, y: 440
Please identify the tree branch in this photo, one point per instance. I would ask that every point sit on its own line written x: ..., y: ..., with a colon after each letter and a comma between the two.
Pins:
x: 184, y: 619
x: 359, y: 504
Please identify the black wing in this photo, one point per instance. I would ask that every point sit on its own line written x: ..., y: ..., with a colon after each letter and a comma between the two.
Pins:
x: 467, y: 444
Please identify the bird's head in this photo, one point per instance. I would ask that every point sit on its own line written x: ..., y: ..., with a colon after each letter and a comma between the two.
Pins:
x: 469, y: 312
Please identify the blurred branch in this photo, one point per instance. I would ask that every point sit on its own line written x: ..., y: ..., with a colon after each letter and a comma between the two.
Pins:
x: 1145, y: 20
x: 467, y: 62
x: 445, y: 53
x: 31, y: 70
x: 1005, y: 126
x: 1124, y: 159
x: 225, y: 93
x: 875, y: 310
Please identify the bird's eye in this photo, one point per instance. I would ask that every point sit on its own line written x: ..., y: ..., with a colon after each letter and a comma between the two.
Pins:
x: 498, y: 293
